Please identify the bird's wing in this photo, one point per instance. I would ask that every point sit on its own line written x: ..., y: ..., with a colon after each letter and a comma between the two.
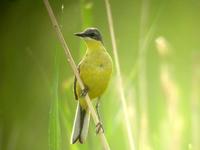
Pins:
x: 75, y: 81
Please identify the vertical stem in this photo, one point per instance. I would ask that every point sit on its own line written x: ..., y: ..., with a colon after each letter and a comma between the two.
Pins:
x: 119, y: 77
x: 54, y: 121
x: 195, y: 103
x: 143, y: 141
x: 142, y: 58
x: 86, y: 18
x: 86, y: 13
x: 171, y: 93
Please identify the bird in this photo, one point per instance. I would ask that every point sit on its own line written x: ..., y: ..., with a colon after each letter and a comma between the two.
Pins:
x: 95, y: 70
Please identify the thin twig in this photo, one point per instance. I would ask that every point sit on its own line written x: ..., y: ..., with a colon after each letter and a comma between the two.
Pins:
x: 171, y: 93
x: 119, y: 77
x: 142, y: 80
x: 73, y: 67
x: 142, y: 56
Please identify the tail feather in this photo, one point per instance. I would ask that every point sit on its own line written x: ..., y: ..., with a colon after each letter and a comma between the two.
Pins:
x: 81, y: 125
x: 76, y: 126
x: 85, y: 126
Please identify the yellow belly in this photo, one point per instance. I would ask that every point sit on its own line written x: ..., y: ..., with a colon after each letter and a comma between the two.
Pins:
x: 95, y: 71
x: 96, y: 80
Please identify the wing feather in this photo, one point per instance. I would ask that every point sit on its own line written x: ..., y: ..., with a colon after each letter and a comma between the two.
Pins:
x: 75, y: 82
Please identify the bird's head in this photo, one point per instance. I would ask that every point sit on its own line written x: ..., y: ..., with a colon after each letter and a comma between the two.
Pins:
x: 90, y: 35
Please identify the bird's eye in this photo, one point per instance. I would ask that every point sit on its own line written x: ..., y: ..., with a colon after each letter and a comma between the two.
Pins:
x: 92, y: 34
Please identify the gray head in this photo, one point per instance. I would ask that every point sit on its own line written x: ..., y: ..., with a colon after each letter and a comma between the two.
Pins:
x: 91, y: 33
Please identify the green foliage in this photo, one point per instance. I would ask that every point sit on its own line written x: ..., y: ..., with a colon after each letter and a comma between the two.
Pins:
x: 86, y: 7
x: 54, y: 118
x: 37, y: 105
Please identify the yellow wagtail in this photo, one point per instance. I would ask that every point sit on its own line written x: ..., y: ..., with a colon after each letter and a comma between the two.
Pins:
x: 95, y: 70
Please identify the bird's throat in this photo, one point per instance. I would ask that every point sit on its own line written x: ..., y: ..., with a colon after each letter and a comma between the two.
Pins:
x: 94, y: 45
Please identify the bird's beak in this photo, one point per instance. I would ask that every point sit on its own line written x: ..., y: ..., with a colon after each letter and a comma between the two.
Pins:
x: 80, y: 34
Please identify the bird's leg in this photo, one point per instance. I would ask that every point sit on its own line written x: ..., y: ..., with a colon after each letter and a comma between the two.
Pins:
x: 97, y: 109
x: 99, y: 125
x: 84, y: 92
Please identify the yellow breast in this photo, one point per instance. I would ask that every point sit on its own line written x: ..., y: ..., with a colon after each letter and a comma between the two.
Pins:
x: 95, y: 71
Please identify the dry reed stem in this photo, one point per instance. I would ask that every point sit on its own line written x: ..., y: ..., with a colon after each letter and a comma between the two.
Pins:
x: 142, y: 56
x: 119, y: 77
x: 171, y: 92
x: 143, y: 41
x: 195, y: 103
x: 75, y: 71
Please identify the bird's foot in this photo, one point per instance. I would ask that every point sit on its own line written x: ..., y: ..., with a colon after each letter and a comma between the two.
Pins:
x: 99, y: 127
x: 84, y: 92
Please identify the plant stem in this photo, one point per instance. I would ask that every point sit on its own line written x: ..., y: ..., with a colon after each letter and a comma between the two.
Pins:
x: 119, y: 77
x: 143, y: 136
x: 86, y: 19
x: 75, y: 71
x: 54, y: 121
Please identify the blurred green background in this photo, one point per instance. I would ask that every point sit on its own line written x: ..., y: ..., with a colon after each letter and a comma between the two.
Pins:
x: 37, y: 106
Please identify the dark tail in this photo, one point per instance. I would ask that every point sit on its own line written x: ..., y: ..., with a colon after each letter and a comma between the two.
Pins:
x: 81, y: 125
